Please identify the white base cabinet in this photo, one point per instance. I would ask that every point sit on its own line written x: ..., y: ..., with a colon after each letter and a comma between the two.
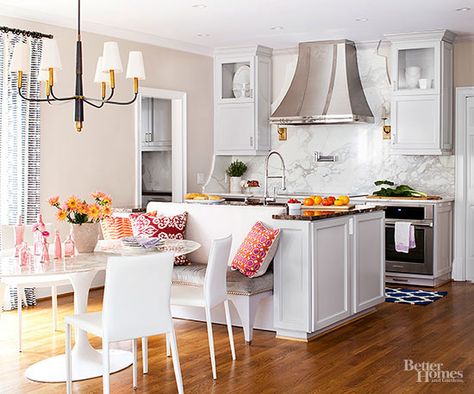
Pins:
x: 327, y: 271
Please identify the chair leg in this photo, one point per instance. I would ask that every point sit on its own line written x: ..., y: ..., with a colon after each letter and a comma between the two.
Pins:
x: 229, y: 328
x: 211, y: 342
x: 145, y: 354
x: 168, y: 350
x: 176, y: 365
x: 68, y: 360
x: 54, y: 301
x: 19, y: 297
x: 134, y: 369
x: 106, y: 367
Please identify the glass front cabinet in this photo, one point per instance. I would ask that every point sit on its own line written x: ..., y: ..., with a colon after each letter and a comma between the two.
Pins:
x: 422, y: 93
x: 242, y: 100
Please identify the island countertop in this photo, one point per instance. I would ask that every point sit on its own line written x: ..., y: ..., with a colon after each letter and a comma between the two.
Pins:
x: 313, y: 214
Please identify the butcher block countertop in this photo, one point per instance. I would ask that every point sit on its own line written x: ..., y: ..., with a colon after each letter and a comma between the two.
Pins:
x: 310, y: 215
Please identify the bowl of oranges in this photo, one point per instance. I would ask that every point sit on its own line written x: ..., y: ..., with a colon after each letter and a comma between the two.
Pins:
x: 318, y: 202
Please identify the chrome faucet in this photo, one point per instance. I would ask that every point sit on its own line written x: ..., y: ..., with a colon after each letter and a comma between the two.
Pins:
x: 266, y: 197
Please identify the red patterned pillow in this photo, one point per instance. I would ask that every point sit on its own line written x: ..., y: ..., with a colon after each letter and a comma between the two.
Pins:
x: 257, y: 251
x: 116, y: 227
x: 165, y: 227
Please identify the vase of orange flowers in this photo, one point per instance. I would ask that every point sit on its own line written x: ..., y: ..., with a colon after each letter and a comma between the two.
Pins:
x: 84, y: 218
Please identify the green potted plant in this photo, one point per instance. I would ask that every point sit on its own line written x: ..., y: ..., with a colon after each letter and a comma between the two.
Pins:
x: 235, y: 171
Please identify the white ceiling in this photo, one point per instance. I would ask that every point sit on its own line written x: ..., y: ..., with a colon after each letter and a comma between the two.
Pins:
x: 176, y: 23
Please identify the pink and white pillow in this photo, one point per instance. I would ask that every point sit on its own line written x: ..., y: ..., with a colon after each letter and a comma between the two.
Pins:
x: 256, y: 251
x: 164, y: 227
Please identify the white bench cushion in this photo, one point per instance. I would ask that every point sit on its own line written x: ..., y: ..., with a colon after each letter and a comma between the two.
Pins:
x: 238, y: 284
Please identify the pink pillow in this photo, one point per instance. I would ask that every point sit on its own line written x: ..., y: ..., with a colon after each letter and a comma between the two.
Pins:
x: 257, y: 251
x: 165, y: 227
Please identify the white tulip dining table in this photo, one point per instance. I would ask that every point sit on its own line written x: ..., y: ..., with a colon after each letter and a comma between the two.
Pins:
x: 81, y: 270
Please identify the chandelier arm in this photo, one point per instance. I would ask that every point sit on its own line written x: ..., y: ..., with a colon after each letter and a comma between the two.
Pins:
x: 61, y: 98
x: 39, y: 100
x: 88, y: 101
x: 123, y: 102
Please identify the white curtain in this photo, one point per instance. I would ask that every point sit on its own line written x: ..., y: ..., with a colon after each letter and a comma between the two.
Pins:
x: 19, y: 135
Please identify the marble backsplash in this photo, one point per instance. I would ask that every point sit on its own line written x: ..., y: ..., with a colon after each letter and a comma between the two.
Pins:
x: 362, y: 155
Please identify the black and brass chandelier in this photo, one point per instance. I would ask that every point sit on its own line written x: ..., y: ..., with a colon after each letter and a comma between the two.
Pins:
x: 108, y: 65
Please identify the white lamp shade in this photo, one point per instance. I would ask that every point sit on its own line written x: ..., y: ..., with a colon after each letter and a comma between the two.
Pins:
x: 43, y: 75
x: 135, y: 66
x: 111, y: 57
x: 50, y: 57
x: 20, y: 59
x: 100, y: 75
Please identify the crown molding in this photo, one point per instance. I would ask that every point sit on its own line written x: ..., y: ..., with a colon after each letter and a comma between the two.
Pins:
x: 111, y: 31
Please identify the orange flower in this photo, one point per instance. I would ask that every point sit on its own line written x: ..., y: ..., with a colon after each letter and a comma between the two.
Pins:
x: 54, y: 201
x: 98, y: 195
x: 107, y: 200
x: 94, y: 211
x: 82, y: 208
x: 106, y: 211
x: 61, y: 215
x: 72, y: 203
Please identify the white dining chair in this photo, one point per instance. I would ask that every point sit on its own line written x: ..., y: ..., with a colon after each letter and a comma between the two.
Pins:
x: 212, y: 294
x: 24, y: 282
x: 136, y: 304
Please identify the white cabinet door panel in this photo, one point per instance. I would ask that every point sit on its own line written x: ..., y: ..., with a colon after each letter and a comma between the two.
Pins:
x: 234, y: 128
x: 331, y: 272
x: 416, y: 124
x: 292, y: 277
x: 369, y: 261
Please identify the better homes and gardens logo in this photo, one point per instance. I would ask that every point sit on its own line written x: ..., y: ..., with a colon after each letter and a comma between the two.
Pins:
x: 427, y: 372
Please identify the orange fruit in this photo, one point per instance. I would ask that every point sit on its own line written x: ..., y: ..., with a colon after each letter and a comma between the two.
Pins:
x: 345, y: 199
x: 338, y: 203
x: 308, y: 201
x: 326, y: 202
x: 309, y: 213
x: 317, y: 200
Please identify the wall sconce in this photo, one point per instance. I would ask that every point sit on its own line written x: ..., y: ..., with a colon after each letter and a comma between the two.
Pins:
x: 282, y: 134
x: 387, y: 129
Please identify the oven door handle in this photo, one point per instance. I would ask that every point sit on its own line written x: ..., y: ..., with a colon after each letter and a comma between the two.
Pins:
x: 425, y: 225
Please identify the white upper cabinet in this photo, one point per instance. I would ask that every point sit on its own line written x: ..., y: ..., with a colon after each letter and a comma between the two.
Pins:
x: 422, y: 100
x: 242, y: 99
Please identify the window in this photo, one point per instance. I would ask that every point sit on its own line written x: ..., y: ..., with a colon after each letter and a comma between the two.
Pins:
x: 19, y: 135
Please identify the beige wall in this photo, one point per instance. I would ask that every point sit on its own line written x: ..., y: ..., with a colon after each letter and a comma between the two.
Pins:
x: 102, y: 156
x: 464, y: 63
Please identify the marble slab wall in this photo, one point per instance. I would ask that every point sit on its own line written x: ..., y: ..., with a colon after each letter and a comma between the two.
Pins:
x: 362, y: 155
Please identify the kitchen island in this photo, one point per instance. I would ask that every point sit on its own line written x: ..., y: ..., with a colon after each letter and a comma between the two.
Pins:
x: 328, y: 270
x: 328, y: 267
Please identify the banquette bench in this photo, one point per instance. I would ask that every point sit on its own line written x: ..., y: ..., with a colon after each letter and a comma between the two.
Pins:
x: 208, y: 222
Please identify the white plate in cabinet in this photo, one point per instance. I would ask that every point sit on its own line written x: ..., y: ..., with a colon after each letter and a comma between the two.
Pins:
x: 416, y: 125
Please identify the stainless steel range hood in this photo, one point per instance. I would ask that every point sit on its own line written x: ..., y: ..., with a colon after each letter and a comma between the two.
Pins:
x: 326, y: 87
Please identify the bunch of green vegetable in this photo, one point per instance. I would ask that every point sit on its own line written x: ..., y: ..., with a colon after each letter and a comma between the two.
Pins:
x: 399, y: 191
x: 236, y: 168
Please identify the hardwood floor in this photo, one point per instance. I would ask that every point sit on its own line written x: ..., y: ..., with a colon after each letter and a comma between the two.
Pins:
x: 364, y: 357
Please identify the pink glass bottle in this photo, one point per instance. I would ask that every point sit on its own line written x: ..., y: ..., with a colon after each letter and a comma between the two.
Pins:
x: 25, y: 254
x: 69, y: 247
x: 45, y: 251
x: 57, y: 246
x: 19, y: 235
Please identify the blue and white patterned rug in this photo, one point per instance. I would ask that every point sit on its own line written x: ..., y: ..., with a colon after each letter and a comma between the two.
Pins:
x: 413, y: 296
